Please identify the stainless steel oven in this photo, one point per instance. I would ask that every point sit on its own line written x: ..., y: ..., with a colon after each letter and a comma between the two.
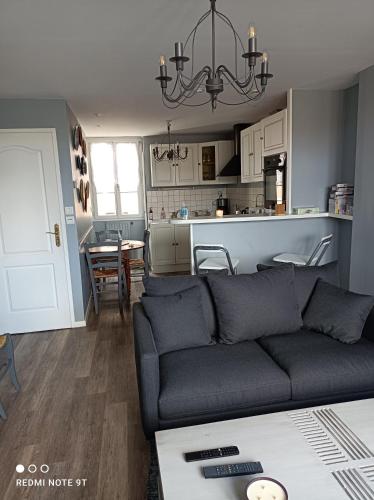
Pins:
x: 275, y: 171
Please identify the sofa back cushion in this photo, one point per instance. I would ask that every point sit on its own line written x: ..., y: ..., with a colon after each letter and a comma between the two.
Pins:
x: 368, y: 332
x: 338, y: 313
x: 250, y: 306
x: 177, y: 320
x: 158, y: 287
x: 306, y: 278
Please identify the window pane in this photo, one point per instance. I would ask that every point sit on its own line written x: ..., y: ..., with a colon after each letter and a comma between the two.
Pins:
x: 128, y: 166
x: 102, y: 162
x: 129, y: 203
x: 106, y: 203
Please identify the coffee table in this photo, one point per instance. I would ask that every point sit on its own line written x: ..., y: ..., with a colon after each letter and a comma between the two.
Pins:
x: 320, y: 453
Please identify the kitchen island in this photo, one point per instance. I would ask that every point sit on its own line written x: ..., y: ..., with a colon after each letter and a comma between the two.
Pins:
x: 258, y: 238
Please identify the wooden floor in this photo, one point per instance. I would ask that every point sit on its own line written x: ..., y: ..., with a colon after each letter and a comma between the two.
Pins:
x: 77, y: 412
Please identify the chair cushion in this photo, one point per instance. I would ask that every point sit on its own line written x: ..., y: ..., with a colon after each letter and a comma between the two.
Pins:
x: 294, y: 258
x: 217, y: 263
x: 250, y: 306
x: 157, y: 287
x: 306, y: 278
x: 219, y: 378
x: 177, y: 320
x: 339, y: 313
x: 320, y: 366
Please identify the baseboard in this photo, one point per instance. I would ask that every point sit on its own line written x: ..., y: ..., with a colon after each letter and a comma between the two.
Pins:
x: 78, y: 324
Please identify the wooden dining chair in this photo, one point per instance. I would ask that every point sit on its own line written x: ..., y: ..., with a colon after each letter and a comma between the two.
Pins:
x: 109, y: 234
x: 140, y: 267
x: 7, y: 365
x: 104, y: 265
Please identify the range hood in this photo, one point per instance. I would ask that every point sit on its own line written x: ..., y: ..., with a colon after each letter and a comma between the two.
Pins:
x: 233, y: 167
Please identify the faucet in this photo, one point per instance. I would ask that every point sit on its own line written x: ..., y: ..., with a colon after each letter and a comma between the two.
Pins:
x: 263, y: 200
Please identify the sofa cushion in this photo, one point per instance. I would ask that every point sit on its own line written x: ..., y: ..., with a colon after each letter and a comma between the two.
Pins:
x: 250, y: 306
x: 336, y: 312
x: 174, y: 284
x: 219, y: 378
x: 320, y: 366
x: 306, y: 279
x: 177, y: 320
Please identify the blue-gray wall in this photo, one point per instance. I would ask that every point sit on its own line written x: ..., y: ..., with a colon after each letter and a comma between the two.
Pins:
x: 83, y: 219
x: 51, y: 113
x: 317, y: 137
x: 362, y: 262
x: 260, y: 241
x: 350, y: 110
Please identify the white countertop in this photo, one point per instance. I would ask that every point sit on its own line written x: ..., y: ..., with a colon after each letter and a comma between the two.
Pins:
x: 248, y: 218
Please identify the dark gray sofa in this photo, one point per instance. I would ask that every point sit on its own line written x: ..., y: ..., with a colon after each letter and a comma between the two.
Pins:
x: 220, y: 381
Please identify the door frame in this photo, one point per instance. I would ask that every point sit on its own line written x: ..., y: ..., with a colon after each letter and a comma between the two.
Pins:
x: 53, y: 133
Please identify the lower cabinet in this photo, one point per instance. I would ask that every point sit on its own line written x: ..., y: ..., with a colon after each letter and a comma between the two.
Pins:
x: 170, y: 247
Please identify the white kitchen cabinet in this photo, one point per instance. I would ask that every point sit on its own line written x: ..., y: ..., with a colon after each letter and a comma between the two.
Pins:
x: 213, y: 156
x: 170, y: 247
x: 162, y: 172
x: 187, y: 171
x: 275, y: 133
x: 251, y: 154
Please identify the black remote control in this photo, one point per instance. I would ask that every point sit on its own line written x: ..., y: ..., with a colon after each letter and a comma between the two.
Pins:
x: 231, y: 470
x: 228, y: 451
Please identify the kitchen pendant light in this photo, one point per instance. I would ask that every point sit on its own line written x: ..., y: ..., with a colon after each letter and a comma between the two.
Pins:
x: 215, y: 77
x: 171, y: 153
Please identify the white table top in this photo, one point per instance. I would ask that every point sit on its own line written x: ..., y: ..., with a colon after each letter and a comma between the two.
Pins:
x: 302, y: 449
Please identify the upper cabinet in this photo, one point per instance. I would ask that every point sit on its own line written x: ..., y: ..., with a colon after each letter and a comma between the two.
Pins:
x: 202, y: 166
x: 251, y: 153
x: 275, y: 133
x: 213, y: 156
x: 265, y: 138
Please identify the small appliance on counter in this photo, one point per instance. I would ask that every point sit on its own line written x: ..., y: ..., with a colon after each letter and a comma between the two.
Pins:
x: 275, y: 180
x: 223, y: 204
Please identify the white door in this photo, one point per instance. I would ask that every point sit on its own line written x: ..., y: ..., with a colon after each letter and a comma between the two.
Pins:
x: 187, y: 171
x: 162, y: 245
x: 275, y: 133
x: 33, y: 273
x: 246, y: 153
x: 162, y: 172
x: 183, y: 247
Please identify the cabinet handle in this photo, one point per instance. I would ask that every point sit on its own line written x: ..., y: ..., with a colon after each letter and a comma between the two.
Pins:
x: 250, y: 154
x: 177, y: 244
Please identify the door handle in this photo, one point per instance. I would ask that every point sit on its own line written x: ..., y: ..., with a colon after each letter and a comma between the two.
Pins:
x: 57, y: 234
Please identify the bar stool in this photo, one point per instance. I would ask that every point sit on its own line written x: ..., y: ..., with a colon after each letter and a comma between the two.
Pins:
x: 215, y: 263
x: 306, y: 260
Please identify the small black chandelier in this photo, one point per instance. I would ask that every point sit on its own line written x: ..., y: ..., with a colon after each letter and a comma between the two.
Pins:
x: 171, y: 153
x: 250, y: 87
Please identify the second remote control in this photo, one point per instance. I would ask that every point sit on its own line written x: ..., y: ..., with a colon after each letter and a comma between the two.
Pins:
x: 231, y: 470
x: 228, y: 451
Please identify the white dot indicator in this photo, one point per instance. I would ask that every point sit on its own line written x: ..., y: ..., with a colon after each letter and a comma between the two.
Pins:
x: 44, y: 468
x: 32, y: 468
x: 20, y: 468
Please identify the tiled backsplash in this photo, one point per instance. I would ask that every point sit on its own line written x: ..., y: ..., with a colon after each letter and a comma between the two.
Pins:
x: 202, y: 199
x: 172, y: 199
x: 245, y: 196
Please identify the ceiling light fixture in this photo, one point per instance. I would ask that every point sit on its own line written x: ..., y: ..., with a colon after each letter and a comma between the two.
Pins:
x: 171, y: 153
x: 250, y: 87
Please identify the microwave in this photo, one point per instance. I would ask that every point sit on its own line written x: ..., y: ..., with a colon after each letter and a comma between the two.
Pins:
x: 275, y: 180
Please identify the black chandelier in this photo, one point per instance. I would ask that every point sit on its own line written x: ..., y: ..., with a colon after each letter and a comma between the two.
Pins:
x: 250, y: 87
x: 171, y: 153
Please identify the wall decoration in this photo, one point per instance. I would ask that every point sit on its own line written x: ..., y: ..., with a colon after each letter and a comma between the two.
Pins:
x: 84, y: 147
x: 77, y: 132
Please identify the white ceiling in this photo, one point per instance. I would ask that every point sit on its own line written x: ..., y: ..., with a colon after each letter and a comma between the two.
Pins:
x: 102, y: 55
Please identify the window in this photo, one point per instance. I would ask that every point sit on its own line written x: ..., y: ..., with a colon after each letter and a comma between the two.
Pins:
x: 117, y: 180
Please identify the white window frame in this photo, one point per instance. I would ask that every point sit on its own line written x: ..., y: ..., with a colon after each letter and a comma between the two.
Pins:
x: 141, y: 190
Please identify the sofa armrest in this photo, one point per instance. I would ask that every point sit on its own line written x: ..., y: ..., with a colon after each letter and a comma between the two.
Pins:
x: 368, y: 331
x: 147, y: 367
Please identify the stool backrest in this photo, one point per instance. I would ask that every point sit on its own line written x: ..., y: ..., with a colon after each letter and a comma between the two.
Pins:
x: 320, y: 250
x: 211, y: 248
x: 111, y: 258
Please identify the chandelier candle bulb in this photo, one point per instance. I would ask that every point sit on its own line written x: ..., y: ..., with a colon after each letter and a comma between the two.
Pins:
x: 178, y: 49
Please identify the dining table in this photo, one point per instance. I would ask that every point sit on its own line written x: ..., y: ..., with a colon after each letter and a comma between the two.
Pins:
x: 126, y: 247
